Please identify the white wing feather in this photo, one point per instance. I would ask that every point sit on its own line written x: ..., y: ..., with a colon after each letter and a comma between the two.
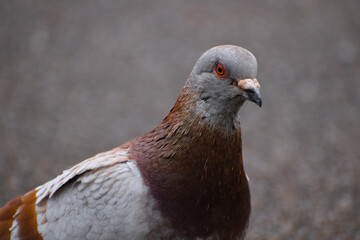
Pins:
x: 107, y: 200
x: 100, y: 160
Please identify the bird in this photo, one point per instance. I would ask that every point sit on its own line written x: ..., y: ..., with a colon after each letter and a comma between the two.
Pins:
x: 185, y: 179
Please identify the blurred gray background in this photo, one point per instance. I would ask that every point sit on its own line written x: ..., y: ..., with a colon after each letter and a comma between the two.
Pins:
x: 81, y: 77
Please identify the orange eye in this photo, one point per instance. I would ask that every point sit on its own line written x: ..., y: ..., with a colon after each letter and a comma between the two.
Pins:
x: 220, y: 70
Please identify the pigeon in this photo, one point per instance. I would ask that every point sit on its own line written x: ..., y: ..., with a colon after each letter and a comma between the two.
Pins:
x: 185, y: 179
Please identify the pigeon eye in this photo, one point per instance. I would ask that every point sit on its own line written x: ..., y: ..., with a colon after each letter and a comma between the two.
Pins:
x: 220, y: 70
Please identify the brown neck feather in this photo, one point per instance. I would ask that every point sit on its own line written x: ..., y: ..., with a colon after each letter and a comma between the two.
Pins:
x: 195, y: 173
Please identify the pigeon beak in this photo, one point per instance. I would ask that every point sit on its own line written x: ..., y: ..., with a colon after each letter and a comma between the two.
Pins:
x: 252, y: 89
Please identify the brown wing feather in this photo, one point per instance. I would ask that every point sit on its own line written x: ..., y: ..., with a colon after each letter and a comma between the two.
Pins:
x: 21, y: 210
x: 7, y: 213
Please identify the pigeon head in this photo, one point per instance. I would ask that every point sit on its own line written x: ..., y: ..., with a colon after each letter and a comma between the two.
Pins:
x: 223, y: 78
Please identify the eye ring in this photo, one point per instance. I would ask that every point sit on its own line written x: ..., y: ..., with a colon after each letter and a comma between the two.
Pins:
x: 220, y: 70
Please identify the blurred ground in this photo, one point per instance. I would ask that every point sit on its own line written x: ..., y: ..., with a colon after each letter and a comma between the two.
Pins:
x: 80, y: 77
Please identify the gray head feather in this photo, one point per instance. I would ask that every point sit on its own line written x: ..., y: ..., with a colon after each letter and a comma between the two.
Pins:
x: 240, y: 62
x: 219, y: 100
